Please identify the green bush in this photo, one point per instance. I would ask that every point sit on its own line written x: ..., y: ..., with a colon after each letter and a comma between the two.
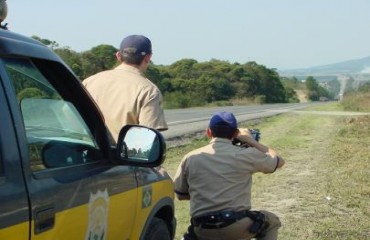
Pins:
x: 221, y: 103
x: 182, y: 100
x: 260, y: 99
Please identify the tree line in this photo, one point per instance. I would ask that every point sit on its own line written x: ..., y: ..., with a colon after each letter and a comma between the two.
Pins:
x: 188, y: 83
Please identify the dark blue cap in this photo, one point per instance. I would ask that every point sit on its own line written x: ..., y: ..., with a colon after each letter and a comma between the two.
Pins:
x: 222, y: 118
x: 136, y: 45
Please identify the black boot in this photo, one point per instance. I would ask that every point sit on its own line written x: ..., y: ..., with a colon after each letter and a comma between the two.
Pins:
x: 190, y: 235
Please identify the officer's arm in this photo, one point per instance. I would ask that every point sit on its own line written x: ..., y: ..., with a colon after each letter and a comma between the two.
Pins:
x: 267, y: 150
x: 245, y: 136
x: 180, y: 183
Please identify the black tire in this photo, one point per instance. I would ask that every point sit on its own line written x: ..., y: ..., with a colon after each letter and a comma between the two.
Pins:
x: 157, y: 230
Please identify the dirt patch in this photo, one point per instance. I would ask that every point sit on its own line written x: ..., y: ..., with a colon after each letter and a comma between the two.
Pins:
x: 301, y: 96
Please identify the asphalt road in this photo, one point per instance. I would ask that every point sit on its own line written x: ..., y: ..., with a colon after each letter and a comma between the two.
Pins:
x: 187, y: 122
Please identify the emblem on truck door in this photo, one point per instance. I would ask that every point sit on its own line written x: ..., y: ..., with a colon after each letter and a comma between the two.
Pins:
x: 98, y: 216
x: 147, y: 196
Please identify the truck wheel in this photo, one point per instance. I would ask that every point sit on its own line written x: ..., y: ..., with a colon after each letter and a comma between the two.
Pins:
x: 157, y: 230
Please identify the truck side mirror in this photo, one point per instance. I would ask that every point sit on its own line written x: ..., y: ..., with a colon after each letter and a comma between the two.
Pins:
x: 140, y: 146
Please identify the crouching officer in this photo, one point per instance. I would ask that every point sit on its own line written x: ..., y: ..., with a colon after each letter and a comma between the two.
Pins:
x: 217, y: 179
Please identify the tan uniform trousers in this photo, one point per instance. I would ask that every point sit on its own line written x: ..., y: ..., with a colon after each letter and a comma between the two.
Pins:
x: 239, y: 230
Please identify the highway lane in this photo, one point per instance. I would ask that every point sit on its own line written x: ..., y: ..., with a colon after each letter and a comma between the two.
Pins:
x: 186, y: 122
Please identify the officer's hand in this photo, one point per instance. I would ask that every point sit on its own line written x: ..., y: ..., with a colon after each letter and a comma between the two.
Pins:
x: 244, y: 135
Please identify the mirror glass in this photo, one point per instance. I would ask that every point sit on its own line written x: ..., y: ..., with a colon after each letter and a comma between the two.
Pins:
x: 141, y: 145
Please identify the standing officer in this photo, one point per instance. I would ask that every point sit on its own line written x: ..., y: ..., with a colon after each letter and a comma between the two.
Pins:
x: 217, y: 179
x: 123, y: 94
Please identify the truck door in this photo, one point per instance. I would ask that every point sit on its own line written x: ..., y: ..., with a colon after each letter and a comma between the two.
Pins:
x: 14, y: 211
x: 75, y: 192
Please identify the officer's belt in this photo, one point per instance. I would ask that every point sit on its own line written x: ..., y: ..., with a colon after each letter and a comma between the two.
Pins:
x: 219, y: 220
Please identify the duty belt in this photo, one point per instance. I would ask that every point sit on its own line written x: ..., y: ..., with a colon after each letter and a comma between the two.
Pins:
x: 220, y: 219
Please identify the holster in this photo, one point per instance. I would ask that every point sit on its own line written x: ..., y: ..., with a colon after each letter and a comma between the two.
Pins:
x: 259, y: 223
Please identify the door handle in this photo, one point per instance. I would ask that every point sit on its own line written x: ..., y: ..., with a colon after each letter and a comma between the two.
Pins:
x: 44, y: 219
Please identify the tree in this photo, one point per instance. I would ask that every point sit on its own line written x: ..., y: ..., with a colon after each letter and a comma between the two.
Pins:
x: 182, y: 69
x: 105, y: 56
x: 290, y: 86
x: 188, y: 80
x: 153, y: 73
x: 47, y: 42
x: 315, y: 91
x: 213, y: 89
x: 311, y: 84
x: 99, y: 58
x: 72, y: 59
x: 291, y: 95
x: 247, y: 87
x: 236, y: 73
x: 264, y: 82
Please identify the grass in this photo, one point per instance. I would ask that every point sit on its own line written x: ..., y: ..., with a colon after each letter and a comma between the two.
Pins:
x: 323, y: 191
x: 333, y: 106
x: 348, y: 215
x: 357, y: 101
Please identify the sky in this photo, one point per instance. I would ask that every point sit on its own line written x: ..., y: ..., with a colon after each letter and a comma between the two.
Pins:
x: 281, y: 34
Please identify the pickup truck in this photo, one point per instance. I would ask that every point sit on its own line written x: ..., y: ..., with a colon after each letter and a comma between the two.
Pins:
x: 61, y: 175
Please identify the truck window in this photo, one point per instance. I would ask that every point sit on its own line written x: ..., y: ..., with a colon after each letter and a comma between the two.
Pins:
x: 56, y: 133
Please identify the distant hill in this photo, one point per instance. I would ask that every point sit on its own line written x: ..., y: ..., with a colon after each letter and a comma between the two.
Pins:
x: 350, y: 67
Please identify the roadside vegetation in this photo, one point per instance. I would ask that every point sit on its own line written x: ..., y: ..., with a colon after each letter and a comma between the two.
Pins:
x: 357, y: 100
x: 323, y: 191
x: 189, y: 83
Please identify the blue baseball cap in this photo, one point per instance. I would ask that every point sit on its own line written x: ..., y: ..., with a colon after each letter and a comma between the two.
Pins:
x: 136, y: 45
x: 222, y: 118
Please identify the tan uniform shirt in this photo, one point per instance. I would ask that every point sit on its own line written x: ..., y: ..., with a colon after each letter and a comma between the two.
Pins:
x: 219, y: 176
x: 126, y: 97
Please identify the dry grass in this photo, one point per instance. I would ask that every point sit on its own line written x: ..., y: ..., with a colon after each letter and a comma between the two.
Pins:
x: 356, y: 101
x: 324, y: 189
